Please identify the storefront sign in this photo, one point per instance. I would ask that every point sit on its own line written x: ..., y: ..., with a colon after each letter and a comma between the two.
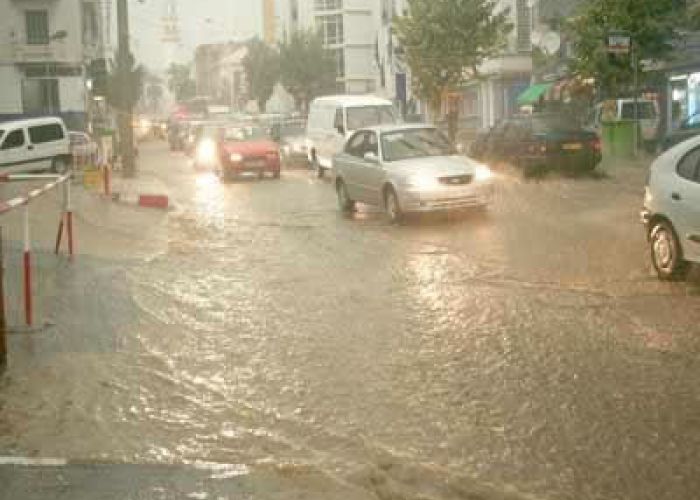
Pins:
x: 619, y: 43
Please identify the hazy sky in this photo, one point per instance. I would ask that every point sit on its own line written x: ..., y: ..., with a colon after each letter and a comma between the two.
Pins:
x: 201, y: 21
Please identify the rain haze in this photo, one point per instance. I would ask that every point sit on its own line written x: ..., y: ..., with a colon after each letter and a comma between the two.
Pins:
x: 200, y: 21
x: 350, y: 249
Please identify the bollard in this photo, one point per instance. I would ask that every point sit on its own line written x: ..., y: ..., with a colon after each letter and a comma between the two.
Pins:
x: 69, y: 219
x: 3, y: 321
x: 27, y: 270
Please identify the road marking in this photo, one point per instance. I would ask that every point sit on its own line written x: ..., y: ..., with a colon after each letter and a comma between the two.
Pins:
x: 33, y: 462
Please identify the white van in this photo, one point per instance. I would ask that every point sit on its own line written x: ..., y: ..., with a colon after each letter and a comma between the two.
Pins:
x: 647, y: 113
x: 34, y: 144
x: 334, y: 118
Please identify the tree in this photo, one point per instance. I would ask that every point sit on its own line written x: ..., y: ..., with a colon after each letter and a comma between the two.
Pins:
x: 446, y: 41
x: 652, y: 25
x: 124, y: 97
x: 307, y: 69
x: 180, y: 83
x: 262, y: 68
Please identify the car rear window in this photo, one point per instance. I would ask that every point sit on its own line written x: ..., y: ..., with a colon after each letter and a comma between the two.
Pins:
x: 546, y: 124
x: 45, y: 133
x: 647, y: 111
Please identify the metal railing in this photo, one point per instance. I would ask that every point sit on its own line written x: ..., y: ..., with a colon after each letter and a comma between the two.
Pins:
x: 24, y: 203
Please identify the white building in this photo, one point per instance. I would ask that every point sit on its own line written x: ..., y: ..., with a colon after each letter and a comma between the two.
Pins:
x: 350, y: 28
x: 45, y: 46
x: 486, y: 102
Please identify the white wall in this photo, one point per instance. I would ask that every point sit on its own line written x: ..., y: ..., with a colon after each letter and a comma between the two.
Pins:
x: 11, y: 94
x: 72, y: 93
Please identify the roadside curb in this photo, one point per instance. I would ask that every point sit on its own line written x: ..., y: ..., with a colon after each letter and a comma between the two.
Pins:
x: 144, y: 200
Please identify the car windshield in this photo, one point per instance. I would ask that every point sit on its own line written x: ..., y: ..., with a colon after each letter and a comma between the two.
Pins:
x: 244, y: 133
x: 368, y: 116
x: 646, y: 111
x: 414, y: 143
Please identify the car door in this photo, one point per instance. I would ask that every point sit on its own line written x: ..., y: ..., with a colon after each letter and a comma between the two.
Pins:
x: 348, y: 164
x: 370, y: 172
x: 14, y: 155
x: 685, y: 196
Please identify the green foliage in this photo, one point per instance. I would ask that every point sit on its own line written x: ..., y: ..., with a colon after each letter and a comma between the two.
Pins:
x: 652, y: 25
x: 262, y: 68
x: 307, y: 68
x: 445, y: 42
x: 119, y: 95
x: 180, y: 83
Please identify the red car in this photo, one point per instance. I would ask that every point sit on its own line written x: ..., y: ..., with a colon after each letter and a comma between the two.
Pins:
x: 247, y: 149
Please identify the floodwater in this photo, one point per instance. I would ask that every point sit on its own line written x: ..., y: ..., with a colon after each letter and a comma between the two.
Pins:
x: 526, y: 349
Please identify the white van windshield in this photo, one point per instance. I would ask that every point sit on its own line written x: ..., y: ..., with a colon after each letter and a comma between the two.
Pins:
x: 647, y: 111
x: 368, y: 116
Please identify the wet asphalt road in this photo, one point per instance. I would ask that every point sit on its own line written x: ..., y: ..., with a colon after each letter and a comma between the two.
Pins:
x: 527, y: 348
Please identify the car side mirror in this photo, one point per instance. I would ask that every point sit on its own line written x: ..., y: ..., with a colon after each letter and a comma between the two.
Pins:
x: 371, y: 157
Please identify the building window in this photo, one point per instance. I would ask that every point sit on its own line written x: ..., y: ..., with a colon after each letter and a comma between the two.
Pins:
x: 91, y: 30
x: 328, y: 4
x: 331, y: 29
x: 37, y: 24
x: 523, y: 26
x: 40, y: 96
x: 339, y: 55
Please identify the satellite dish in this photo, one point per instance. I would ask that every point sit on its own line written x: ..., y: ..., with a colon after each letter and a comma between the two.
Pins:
x: 536, y: 38
x: 551, y: 42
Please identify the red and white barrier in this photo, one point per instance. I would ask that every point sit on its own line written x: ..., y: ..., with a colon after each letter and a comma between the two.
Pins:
x: 25, y: 202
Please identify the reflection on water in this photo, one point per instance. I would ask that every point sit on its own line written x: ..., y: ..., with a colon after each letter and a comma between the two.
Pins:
x: 209, y: 199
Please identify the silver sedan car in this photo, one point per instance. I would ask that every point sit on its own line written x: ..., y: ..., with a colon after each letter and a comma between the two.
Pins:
x: 408, y: 168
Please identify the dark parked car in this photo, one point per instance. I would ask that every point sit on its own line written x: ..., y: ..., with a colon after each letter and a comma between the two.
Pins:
x: 690, y: 127
x: 540, y: 141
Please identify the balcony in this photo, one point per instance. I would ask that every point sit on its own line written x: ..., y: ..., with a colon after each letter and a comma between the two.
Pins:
x: 26, y: 53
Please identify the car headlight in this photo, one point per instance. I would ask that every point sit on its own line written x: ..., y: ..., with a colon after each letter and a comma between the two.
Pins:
x: 423, y: 182
x: 482, y: 173
x: 235, y: 157
x: 206, y: 152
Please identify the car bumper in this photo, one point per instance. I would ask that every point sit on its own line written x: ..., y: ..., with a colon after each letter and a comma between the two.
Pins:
x: 446, y: 198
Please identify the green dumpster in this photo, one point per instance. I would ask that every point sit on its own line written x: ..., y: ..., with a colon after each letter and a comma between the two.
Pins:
x: 618, y: 139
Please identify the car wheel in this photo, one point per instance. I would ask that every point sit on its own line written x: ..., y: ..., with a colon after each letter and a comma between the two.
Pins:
x: 392, y: 207
x: 320, y: 171
x: 666, y: 253
x: 60, y: 166
x: 344, y: 202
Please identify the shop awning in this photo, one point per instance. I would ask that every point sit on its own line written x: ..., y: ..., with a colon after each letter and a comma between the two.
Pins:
x: 533, y: 93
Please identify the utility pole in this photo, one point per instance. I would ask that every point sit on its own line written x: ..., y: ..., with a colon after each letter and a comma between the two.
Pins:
x: 125, y: 117
x: 3, y: 321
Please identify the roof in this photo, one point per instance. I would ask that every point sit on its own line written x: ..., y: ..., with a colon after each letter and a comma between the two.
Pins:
x: 398, y: 127
x: 22, y: 122
x: 354, y: 100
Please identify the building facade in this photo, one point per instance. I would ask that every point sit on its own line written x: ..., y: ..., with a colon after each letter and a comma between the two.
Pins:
x: 46, y: 47
x: 350, y: 29
x: 220, y: 75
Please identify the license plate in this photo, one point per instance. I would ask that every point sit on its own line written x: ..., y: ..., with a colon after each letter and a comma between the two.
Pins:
x: 574, y: 146
x: 255, y: 163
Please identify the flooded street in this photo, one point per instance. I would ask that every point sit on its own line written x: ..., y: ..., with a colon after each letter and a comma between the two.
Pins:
x: 523, y: 349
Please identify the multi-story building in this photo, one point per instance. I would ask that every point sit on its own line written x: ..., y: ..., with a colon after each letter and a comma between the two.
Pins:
x: 349, y: 28
x: 220, y: 75
x: 45, y: 49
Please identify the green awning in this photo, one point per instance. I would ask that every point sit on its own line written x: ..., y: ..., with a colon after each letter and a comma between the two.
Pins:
x: 533, y: 93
